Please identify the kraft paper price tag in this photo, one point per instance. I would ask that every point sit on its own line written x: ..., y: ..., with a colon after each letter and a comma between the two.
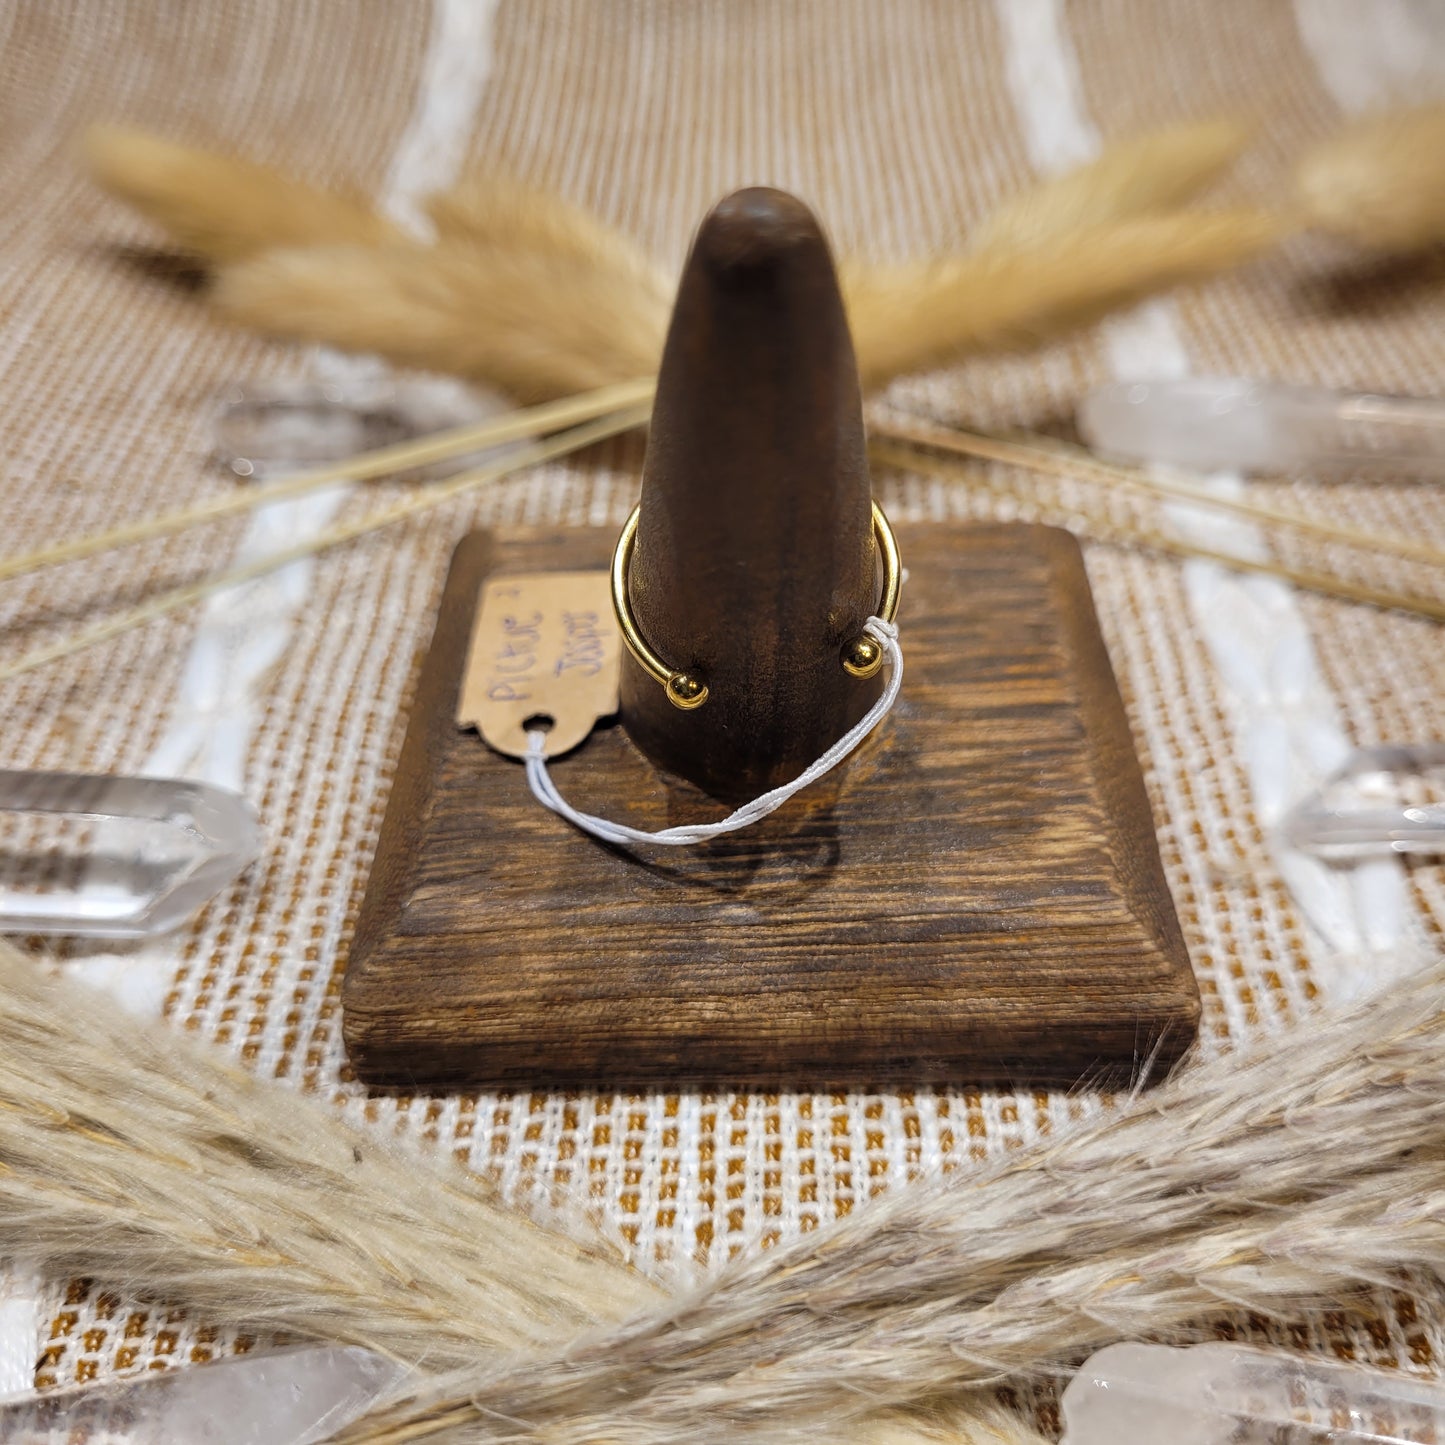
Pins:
x: 544, y: 645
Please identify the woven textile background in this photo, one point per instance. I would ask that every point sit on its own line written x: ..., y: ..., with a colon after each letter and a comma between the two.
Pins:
x: 902, y: 122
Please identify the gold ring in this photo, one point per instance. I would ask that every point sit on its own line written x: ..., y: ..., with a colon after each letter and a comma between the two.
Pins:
x: 862, y: 657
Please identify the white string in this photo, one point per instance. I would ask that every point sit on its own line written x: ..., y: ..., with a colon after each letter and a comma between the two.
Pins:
x: 545, y: 790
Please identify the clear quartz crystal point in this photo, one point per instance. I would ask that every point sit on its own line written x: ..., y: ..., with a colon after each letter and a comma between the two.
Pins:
x: 262, y: 428
x: 283, y: 1397
x: 1384, y: 800
x: 115, y: 857
x: 1225, y: 1394
x: 1232, y: 424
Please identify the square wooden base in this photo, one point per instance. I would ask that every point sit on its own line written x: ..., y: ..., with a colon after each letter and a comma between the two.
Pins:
x: 976, y: 897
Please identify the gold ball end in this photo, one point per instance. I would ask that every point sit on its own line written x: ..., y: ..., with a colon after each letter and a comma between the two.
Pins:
x: 686, y: 691
x: 863, y: 656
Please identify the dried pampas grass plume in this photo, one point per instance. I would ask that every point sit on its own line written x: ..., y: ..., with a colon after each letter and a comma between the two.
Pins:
x: 1303, y: 1170
x: 1381, y: 183
x: 971, y: 1421
x: 129, y: 1154
x: 921, y: 315
x: 1143, y: 176
x: 223, y: 208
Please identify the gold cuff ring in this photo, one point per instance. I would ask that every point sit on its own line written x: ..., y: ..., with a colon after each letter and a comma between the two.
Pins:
x: 862, y: 657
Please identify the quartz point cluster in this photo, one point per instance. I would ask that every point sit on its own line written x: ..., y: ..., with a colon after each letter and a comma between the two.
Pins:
x: 1226, y: 1394
x: 1212, y: 423
x: 1383, y: 800
x: 115, y: 857
x: 264, y: 430
x: 283, y: 1397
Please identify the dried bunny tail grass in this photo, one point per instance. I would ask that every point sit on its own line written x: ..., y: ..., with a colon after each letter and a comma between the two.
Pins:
x: 1305, y: 1169
x: 128, y: 1154
x: 534, y: 324
x: 1136, y: 177
x: 500, y: 212
x: 1380, y: 183
x: 918, y: 316
x: 221, y: 207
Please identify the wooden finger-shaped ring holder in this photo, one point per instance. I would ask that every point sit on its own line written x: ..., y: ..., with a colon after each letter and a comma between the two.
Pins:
x: 975, y: 896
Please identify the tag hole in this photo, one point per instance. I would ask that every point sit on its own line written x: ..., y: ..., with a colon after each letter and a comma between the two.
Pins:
x: 539, y: 722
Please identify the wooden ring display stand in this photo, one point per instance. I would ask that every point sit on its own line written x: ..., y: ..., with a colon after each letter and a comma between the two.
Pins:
x: 976, y: 896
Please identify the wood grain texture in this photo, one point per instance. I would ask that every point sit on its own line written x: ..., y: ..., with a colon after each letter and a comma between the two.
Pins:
x: 977, y: 897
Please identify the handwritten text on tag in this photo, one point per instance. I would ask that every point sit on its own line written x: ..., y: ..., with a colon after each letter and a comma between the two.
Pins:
x: 545, y: 644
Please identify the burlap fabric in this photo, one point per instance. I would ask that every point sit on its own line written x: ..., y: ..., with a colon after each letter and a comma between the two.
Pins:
x: 902, y: 122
